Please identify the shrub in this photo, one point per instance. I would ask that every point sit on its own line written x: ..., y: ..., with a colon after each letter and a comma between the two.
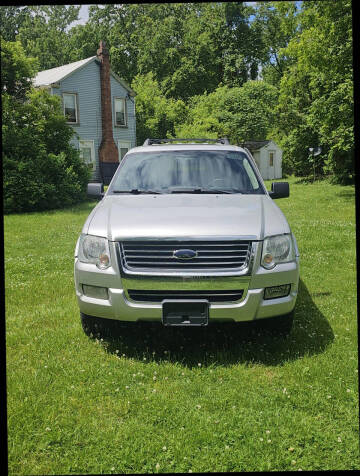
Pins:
x: 41, y: 169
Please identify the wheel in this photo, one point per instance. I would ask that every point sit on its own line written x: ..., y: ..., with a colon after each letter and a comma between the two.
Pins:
x: 280, y: 325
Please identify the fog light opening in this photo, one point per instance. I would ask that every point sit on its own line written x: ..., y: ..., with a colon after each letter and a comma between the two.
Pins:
x: 277, y: 291
x: 95, y: 291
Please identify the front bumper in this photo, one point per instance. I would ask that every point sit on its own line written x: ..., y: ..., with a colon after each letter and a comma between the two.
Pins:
x: 250, y: 307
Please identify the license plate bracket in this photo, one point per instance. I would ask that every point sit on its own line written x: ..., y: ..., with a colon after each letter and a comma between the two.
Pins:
x: 182, y: 312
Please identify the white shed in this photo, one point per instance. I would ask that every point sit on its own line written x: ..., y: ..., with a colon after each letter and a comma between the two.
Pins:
x: 268, y: 158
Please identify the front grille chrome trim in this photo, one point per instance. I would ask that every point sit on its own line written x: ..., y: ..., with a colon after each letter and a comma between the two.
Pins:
x: 232, y: 263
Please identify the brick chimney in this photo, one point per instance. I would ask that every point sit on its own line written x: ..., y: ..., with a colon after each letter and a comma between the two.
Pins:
x: 108, y: 152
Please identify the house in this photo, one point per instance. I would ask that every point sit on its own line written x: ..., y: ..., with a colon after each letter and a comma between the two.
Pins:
x: 268, y: 157
x: 99, y: 106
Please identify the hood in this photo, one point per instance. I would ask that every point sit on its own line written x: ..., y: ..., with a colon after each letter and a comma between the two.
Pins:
x: 123, y: 217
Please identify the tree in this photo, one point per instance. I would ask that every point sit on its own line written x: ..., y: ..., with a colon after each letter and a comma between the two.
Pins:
x: 41, y: 170
x: 277, y: 23
x: 316, y: 91
x: 156, y: 115
x: 11, y: 19
x: 189, y: 47
x: 44, y: 34
x: 242, y: 113
x: 17, y: 70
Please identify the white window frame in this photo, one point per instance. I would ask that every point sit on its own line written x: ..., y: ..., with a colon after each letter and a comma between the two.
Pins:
x: 76, y: 106
x: 125, y: 112
x: 86, y: 143
x: 123, y: 144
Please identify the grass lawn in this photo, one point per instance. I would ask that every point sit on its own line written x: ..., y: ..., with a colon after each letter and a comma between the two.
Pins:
x: 154, y: 401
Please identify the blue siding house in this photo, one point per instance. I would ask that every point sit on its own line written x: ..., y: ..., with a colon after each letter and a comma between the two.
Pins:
x: 99, y: 106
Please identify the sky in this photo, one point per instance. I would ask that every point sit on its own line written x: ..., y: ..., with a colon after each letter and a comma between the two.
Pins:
x: 83, y: 15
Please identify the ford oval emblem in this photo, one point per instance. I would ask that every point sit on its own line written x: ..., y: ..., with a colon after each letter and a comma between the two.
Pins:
x: 184, y: 254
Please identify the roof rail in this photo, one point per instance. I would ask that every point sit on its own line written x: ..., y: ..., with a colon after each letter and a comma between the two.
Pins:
x: 221, y: 140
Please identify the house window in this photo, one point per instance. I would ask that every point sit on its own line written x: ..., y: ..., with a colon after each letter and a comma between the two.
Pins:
x: 123, y: 148
x: 70, y: 107
x: 271, y: 159
x: 120, y: 112
x: 87, y: 153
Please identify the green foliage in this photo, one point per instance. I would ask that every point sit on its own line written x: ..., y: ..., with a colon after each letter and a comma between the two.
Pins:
x: 248, y: 112
x: 193, y: 66
x: 278, y: 23
x: 11, y: 19
x: 316, y: 91
x: 240, y: 113
x: 17, y: 70
x: 41, y: 170
x: 156, y: 115
x: 43, y: 34
x: 189, y: 47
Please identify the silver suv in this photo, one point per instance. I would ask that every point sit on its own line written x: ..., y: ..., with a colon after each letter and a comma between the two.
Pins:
x: 186, y: 235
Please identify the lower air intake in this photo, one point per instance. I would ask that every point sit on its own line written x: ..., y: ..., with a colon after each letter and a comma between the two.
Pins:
x: 211, y: 296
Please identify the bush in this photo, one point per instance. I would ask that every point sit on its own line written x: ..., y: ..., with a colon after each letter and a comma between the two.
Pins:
x: 41, y: 169
x: 240, y: 113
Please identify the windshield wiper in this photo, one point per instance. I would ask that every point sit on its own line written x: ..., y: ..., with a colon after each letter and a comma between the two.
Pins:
x: 136, y: 191
x: 201, y: 190
x: 221, y: 191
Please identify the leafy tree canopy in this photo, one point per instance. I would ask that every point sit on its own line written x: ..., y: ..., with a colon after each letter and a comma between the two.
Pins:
x: 240, y: 113
x: 41, y: 169
x: 44, y: 33
x: 17, y: 70
x: 316, y: 90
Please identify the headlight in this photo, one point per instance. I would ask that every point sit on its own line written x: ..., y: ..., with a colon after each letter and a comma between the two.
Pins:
x: 94, y: 249
x: 277, y: 249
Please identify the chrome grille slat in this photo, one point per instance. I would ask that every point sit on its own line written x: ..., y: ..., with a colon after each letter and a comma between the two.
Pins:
x: 217, y: 255
x: 177, y: 264
x: 133, y: 252
x: 182, y: 244
x: 200, y: 257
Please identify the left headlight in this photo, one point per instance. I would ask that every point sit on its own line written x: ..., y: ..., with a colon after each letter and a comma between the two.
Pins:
x: 94, y: 249
x: 277, y: 249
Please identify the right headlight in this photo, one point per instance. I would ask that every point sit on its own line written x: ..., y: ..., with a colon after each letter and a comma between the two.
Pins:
x: 94, y: 249
x: 277, y: 249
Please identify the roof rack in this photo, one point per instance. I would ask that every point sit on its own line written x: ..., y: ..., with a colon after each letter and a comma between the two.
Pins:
x: 221, y: 140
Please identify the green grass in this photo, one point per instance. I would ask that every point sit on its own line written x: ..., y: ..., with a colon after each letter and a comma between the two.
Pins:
x: 150, y: 400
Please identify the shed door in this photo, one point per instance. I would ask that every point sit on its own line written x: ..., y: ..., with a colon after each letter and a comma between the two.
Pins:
x: 271, y: 164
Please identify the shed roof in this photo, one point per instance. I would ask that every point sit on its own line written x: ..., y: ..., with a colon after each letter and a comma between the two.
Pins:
x: 54, y: 75
x: 255, y: 144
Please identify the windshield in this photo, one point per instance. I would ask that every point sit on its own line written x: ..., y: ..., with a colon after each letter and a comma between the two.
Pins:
x: 187, y: 171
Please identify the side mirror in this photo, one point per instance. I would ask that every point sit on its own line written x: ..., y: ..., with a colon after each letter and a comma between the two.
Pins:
x: 95, y: 190
x: 279, y: 190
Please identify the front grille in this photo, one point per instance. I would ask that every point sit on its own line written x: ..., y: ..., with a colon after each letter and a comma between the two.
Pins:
x: 211, y: 296
x: 209, y: 254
